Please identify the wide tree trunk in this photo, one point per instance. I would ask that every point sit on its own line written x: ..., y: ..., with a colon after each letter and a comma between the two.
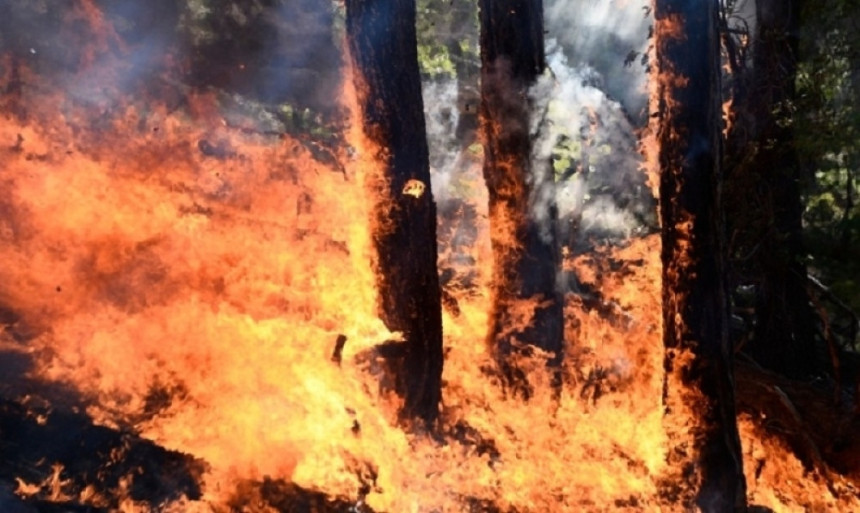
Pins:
x: 382, y: 44
x: 705, y: 452
x: 785, y: 334
x: 527, y: 304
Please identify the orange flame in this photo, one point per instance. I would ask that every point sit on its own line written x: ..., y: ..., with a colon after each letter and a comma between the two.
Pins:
x: 149, y: 269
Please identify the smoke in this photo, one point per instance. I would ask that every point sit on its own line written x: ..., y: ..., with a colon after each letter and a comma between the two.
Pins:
x: 97, y: 52
x: 588, y: 142
x: 588, y: 109
x: 442, y: 117
x: 609, y: 37
x: 103, y: 52
x: 456, y: 180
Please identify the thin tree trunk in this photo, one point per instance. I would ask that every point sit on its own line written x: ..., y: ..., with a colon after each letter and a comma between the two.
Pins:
x: 699, y: 388
x: 785, y: 334
x: 382, y: 44
x: 527, y: 304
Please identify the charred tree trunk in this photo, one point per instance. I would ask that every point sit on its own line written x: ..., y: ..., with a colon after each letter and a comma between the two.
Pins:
x: 699, y: 387
x: 785, y: 335
x: 382, y: 43
x: 527, y: 304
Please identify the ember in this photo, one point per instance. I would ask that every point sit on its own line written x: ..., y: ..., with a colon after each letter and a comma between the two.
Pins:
x: 218, y: 294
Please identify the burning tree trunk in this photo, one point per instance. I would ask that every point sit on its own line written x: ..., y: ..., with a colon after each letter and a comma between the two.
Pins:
x: 382, y: 45
x: 785, y: 334
x: 527, y: 304
x: 698, y: 360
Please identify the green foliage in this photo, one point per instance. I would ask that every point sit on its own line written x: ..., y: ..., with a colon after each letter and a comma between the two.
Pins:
x: 565, y: 155
x: 447, y: 36
x: 828, y: 121
x: 827, y: 130
x: 435, y: 60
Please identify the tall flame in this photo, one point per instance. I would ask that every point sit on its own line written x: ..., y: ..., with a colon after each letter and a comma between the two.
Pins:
x: 190, y: 279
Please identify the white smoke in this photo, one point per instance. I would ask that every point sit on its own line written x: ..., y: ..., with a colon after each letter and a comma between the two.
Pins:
x: 609, y: 37
x: 587, y: 140
x: 587, y: 110
x: 442, y: 115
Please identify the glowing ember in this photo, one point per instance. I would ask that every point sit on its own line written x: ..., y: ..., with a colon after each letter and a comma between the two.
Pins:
x: 414, y: 188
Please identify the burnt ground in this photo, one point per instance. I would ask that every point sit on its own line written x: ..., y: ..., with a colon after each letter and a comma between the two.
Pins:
x: 55, y: 458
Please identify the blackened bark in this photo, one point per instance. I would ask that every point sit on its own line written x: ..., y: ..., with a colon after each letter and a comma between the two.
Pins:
x: 785, y: 336
x: 698, y: 359
x: 527, y: 304
x: 382, y: 44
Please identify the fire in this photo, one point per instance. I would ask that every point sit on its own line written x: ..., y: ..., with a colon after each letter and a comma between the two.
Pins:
x: 154, y: 270
x: 728, y: 117
x: 190, y: 280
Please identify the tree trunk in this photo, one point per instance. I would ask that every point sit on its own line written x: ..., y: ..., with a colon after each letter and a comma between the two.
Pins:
x: 527, y: 304
x: 785, y: 335
x: 382, y: 44
x: 699, y: 390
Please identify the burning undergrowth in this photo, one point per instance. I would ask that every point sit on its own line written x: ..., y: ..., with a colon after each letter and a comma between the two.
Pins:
x: 186, y: 303
x: 193, y: 298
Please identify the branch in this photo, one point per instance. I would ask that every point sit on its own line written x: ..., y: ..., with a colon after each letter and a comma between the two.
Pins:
x: 833, y: 298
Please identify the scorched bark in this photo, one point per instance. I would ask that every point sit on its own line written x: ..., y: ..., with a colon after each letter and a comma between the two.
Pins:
x: 382, y: 44
x: 698, y: 358
x: 527, y: 304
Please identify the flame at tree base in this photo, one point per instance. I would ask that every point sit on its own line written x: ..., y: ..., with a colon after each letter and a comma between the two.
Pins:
x: 195, y: 296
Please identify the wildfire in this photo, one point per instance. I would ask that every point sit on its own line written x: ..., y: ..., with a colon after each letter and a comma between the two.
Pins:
x: 189, y: 279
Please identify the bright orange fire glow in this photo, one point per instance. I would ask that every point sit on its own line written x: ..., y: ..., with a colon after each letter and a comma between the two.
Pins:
x: 728, y: 117
x: 146, y: 267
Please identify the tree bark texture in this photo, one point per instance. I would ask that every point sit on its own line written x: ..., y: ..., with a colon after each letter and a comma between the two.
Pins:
x: 527, y: 304
x: 785, y: 336
x: 382, y: 44
x: 699, y: 388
